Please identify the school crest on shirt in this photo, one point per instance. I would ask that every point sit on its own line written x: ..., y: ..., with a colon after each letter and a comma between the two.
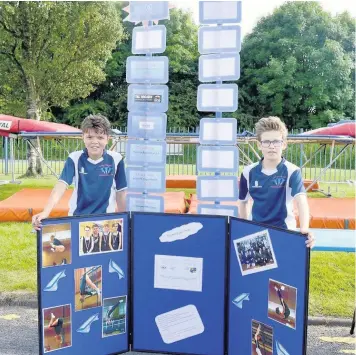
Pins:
x: 279, y: 182
x: 106, y: 170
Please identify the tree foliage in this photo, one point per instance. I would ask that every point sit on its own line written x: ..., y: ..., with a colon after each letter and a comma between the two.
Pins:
x: 297, y: 64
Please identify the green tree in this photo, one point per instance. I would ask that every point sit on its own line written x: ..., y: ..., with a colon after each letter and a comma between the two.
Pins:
x: 53, y: 52
x: 297, y: 63
x: 183, y: 75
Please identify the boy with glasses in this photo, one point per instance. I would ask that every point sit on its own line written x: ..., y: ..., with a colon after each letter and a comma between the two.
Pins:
x: 273, y: 182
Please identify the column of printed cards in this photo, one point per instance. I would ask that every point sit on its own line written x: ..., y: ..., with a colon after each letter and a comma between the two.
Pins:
x: 219, y: 42
x: 147, y: 103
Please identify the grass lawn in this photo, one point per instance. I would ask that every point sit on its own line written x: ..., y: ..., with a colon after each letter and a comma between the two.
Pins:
x: 332, y: 277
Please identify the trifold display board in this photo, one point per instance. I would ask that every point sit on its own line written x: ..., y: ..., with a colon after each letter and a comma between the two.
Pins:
x: 187, y: 284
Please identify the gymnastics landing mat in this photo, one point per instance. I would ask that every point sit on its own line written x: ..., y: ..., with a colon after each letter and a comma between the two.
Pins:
x: 23, y: 204
x: 190, y: 182
x: 326, y: 213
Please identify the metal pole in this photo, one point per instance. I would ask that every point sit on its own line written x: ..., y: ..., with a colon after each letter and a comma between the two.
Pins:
x: 6, y: 156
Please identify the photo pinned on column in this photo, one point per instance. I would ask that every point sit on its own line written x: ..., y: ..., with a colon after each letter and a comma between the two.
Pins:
x: 151, y: 39
x: 114, y: 316
x: 147, y: 125
x: 219, y: 12
x: 219, y: 39
x: 218, y: 131
x: 56, y: 245
x: 153, y: 98
x: 217, y: 97
x: 147, y: 70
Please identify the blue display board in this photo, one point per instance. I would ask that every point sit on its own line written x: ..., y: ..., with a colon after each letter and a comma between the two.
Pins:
x: 83, y: 277
x: 268, y: 300
x: 179, y: 283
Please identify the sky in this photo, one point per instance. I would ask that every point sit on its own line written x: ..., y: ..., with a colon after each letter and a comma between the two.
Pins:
x: 253, y: 10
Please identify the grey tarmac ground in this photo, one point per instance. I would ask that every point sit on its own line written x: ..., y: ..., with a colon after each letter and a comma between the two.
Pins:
x: 19, y: 334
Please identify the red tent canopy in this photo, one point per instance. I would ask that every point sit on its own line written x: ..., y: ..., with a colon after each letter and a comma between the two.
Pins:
x: 16, y: 125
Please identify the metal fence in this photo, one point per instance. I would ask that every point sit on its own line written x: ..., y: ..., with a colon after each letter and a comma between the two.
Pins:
x: 181, y: 156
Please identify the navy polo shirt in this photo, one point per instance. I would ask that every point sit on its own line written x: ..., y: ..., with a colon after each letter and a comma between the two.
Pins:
x: 272, y: 192
x: 95, y: 182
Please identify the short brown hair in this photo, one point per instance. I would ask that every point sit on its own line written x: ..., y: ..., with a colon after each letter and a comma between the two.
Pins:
x: 271, y: 123
x: 99, y: 123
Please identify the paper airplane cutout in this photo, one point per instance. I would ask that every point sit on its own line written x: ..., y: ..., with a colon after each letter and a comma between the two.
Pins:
x: 239, y: 299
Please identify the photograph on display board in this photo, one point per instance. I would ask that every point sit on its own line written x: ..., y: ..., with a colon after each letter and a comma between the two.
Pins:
x: 255, y: 253
x: 88, y: 287
x: 282, y: 303
x: 56, y: 245
x: 104, y: 236
x: 114, y: 316
x: 262, y: 339
x: 57, y: 328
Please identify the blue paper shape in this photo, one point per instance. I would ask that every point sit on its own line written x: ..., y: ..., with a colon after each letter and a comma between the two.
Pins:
x: 148, y: 10
x: 219, y: 39
x: 147, y: 125
x: 150, y: 39
x: 146, y: 180
x: 218, y: 131
x: 153, y: 98
x: 142, y: 153
x: 144, y: 203
x: 217, y: 97
x: 219, y: 12
x: 219, y: 67
x: 238, y: 301
x: 218, y: 164
x: 147, y: 70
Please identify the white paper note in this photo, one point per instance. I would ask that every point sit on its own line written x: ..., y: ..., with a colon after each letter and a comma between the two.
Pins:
x: 217, y: 188
x: 218, y: 131
x: 218, y: 211
x: 217, y: 159
x: 219, y: 67
x: 216, y: 10
x: 179, y: 324
x: 178, y: 273
x: 218, y: 97
x: 148, y: 39
x: 219, y: 39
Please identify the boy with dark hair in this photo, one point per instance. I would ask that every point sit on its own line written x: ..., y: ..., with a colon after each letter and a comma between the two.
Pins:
x: 273, y: 183
x: 98, y: 175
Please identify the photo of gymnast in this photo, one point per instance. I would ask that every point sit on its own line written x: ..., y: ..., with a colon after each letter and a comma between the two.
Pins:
x: 282, y: 303
x: 56, y: 245
x: 255, y: 253
x: 114, y: 316
x: 262, y: 339
x: 57, y: 328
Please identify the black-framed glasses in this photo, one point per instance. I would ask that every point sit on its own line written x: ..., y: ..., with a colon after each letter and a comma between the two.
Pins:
x: 276, y: 143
